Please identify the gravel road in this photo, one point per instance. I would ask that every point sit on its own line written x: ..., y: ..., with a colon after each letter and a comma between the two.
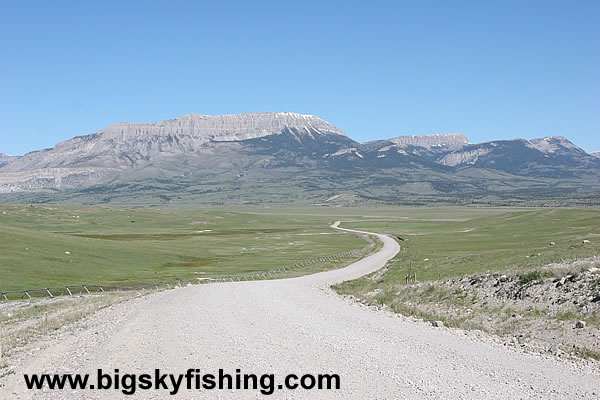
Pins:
x: 297, y: 326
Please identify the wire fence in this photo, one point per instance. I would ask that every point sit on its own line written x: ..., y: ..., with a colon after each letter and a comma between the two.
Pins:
x: 83, y: 289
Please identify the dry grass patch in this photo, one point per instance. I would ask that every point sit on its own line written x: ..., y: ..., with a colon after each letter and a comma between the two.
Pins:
x: 23, y: 322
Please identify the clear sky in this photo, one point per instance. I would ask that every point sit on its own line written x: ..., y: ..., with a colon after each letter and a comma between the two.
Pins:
x: 376, y: 69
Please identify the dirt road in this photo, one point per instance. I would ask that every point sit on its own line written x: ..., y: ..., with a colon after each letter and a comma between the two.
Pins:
x: 296, y: 326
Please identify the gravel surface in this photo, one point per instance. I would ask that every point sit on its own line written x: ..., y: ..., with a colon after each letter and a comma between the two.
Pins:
x: 296, y: 326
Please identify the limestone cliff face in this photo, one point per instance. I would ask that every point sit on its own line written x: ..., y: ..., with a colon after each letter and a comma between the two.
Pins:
x: 53, y: 178
x: 265, y: 149
x: 522, y: 155
x: 439, y: 142
x: 557, y: 145
x: 125, y: 144
x: 99, y: 157
x: 5, y: 159
x: 462, y: 157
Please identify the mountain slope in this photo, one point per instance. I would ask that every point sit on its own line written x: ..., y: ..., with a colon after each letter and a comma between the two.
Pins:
x: 439, y: 142
x: 287, y: 157
x: 6, y: 159
x: 119, y: 148
x: 126, y: 144
x: 552, y: 157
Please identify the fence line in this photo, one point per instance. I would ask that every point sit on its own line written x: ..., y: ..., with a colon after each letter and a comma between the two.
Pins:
x: 71, y: 290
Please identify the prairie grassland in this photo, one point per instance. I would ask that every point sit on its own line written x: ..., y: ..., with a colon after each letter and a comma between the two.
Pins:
x: 46, y: 245
x: 499, y: 273
x: 454, y: 246
x: 43, y: 246
x: 56, y: 245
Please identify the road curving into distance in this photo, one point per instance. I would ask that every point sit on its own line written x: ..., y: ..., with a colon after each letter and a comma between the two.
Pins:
x: 359, y: 268
x: 297, y: 326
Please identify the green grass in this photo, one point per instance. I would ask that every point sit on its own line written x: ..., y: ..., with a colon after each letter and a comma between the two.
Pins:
x: 452, y: 242
x: 535, y: 276
x: 457, y: 245
x: 467, y: 242
x: 119, y: 245
x: 583, y: 352
x: 132, y: 245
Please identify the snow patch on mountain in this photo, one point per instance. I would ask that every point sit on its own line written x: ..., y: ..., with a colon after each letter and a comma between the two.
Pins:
x: 126, y: 144
x: 351, y: 150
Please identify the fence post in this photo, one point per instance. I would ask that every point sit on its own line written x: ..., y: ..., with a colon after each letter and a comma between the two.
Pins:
x: 232, y: 278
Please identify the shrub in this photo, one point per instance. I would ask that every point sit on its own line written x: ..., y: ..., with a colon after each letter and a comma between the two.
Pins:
x: 534, y: 276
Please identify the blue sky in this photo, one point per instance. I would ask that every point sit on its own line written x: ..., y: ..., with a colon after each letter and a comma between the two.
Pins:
x: 377, y: 69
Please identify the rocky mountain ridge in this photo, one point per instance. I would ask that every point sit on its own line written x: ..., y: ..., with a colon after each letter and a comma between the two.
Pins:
x: 440, y: 141
x: 126, y: 144
x: 257, y: 151
x: 5, y: 159
x: 550, y: 145
x: 536, y: 157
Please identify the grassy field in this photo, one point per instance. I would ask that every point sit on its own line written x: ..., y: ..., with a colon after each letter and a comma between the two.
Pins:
x: 465, y: 241
x: 118, y: 245
x: 56, y: 245
x: 52, y: 245
x: 452, y: 254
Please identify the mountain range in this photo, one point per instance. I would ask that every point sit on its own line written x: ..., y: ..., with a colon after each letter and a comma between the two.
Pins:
x: 282, y: 157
